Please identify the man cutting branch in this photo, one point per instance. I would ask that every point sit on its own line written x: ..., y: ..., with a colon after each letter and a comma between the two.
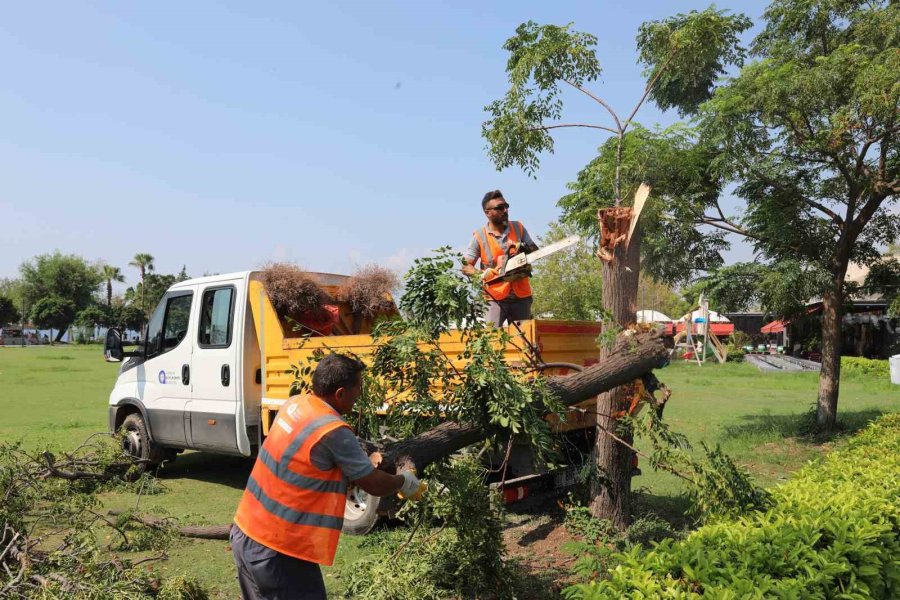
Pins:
x: 509, y: 299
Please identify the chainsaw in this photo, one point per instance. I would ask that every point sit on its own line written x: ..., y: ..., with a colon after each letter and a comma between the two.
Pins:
x: 518, y: 263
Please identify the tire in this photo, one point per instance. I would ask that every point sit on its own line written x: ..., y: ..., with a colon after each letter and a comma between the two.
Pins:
x: 137, y: 443
x: 360, y: 511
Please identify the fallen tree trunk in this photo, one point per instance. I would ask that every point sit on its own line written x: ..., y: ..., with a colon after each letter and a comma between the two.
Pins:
x: 633, y: 356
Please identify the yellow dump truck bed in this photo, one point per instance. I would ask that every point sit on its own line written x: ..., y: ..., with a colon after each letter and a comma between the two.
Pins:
x: 573, y: 342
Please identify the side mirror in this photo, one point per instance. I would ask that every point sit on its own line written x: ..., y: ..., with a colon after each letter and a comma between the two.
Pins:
x: 112, y: 349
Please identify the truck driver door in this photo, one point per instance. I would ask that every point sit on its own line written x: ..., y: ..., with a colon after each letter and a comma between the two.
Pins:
x: 165, y: 382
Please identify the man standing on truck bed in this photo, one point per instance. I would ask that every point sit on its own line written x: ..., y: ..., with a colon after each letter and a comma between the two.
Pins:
x: 507, y: 300
x: 290, y: 516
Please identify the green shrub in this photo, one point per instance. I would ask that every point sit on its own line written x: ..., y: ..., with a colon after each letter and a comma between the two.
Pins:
x: 864, y: 367
x: 580, y: 522
x: 833, y: 531
x: 735, y: 354
x: 649, y: 529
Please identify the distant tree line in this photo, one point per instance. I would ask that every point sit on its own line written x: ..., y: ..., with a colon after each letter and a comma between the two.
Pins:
x: 55, y: 291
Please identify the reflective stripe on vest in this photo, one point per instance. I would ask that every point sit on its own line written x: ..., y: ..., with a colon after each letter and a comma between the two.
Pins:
x: 490, y: 251
x: 290, y: 505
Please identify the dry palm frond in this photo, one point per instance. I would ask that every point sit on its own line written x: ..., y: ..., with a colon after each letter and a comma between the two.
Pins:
x: 368, y: 292
x: 292, y: 290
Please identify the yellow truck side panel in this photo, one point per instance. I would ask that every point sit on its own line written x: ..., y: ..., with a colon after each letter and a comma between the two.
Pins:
x: 557, y: 342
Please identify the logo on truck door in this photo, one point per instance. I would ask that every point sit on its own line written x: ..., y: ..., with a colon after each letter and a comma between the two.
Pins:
x: 169, y: 377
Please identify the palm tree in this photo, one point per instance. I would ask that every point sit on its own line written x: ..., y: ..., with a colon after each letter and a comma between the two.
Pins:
x: 144, y: 262
x: 110, y: 274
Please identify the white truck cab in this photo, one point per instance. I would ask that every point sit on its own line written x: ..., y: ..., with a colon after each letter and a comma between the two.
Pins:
x: 193, y: 383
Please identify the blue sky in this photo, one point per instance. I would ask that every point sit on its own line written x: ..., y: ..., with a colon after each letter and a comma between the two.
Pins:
x: 222, y: 135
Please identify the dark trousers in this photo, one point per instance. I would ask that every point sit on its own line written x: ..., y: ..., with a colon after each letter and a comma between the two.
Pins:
x: 509, y: 309
x: 265, y: 574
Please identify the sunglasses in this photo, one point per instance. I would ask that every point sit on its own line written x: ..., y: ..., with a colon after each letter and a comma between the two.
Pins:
x: 503, y: 206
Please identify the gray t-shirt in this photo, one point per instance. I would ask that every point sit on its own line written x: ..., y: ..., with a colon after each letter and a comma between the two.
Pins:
x: 340, y: 448
x: 473, y: 252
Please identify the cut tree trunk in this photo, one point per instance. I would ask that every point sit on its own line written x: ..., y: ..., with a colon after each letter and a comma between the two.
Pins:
x: 632, y: 356
x: 830, y: 375
x: 611, y: 485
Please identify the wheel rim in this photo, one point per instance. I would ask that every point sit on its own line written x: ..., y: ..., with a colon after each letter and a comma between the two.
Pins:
x: 131, y: 443
x: 357, y: 502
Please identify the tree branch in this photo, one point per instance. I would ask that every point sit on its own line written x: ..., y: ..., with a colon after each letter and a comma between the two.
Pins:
x: 561, y: 125
x: 866, y: 213
x: 725, y: 226
x: 649, y: 88
x: 834, y: 216
x: 615, y: 117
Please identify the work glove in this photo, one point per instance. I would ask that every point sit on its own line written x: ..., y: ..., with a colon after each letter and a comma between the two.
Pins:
x: 490, y: 274
x: 412, y: 488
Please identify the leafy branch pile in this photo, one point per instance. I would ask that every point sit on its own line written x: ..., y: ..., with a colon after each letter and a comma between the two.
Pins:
x: 717, y: 486
x: 51, y: 528
x: 464, y: 557
x: 832, y: 531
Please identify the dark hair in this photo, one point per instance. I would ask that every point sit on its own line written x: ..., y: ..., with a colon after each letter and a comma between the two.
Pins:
x: 333, y: 372
x: 490, y: 196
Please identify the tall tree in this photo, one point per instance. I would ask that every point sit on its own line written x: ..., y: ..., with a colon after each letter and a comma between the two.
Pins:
x: 808, y: 133
x: 683, y: 56
x: 151, y: 289
x: 93, y: 316
x: 144, y: 263
x: 127, y: 316
x: 53, y: 312
x: 110, y: 274
x: 8, y: 311
x: 59, y: 277
x: 13, y: 289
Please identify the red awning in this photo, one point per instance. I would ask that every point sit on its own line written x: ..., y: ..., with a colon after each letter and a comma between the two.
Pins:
x: 774, y: 327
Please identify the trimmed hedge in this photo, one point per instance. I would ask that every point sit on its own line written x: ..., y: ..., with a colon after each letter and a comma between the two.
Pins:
x: 867, y: 367
x: 833, y: 532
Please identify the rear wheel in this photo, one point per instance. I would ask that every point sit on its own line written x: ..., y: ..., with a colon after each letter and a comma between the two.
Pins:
x: 136, y: 442
x: 360, y: 511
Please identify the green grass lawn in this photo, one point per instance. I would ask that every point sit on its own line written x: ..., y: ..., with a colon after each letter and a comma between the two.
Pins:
x: 57, y: 396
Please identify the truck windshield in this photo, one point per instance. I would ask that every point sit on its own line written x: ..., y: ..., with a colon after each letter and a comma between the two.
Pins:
x: 169, y: 323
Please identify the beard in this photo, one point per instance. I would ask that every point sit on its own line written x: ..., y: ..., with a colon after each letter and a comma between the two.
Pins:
x: 501, y: 221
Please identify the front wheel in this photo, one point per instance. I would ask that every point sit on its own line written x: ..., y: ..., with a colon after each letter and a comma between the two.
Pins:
x: 136, y: 442
x: 360, y: 511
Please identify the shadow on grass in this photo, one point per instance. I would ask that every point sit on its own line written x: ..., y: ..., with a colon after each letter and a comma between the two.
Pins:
x: 538, y: 533
x: 800, y: 426
x: 533, y: 584
x: 674, y: 509
x: 232, y: 471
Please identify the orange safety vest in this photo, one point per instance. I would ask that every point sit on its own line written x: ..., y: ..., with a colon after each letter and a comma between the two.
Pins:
x: 290, y: 505
x: 490, y: 252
